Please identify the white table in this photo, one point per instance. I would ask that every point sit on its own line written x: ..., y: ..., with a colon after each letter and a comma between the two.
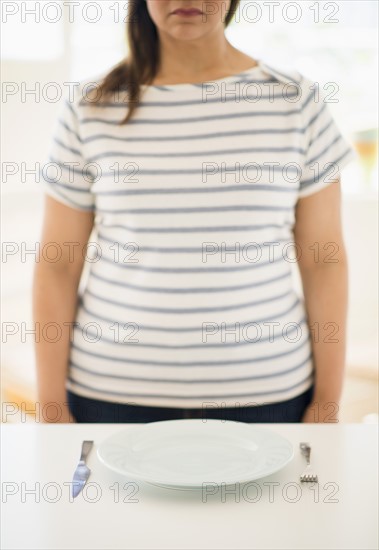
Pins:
x: 140, y: 516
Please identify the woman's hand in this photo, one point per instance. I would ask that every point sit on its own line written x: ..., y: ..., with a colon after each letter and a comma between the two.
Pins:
x: 321, y: 412
x: 56, y: 412
x: 64, y: 419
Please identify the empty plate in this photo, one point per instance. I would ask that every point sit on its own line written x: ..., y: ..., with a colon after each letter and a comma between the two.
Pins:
x: 193, y: 453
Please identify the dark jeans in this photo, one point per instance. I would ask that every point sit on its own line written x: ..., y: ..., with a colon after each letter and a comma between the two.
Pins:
x: 92, y: 410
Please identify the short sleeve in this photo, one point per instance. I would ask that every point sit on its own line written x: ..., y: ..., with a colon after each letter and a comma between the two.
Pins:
x: 66, y: 175
x: 327, y: 151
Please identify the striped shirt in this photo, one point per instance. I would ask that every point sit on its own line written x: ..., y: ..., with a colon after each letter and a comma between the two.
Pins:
x: 189, y: 298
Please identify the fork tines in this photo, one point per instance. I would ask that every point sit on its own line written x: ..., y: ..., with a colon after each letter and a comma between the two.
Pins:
x: 309, y: 478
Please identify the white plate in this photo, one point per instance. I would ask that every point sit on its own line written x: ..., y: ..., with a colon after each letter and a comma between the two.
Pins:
x: 193, y: 453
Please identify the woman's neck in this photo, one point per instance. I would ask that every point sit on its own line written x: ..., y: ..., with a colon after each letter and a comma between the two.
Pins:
x: 186, y: 62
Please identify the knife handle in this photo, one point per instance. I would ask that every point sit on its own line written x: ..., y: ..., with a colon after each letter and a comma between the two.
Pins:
x: 86, y: 447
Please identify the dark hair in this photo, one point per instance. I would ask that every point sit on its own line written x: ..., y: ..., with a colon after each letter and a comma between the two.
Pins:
x: 143, y: 62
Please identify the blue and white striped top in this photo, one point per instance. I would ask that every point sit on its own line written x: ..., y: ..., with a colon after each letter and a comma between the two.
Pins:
x: 189, y: 298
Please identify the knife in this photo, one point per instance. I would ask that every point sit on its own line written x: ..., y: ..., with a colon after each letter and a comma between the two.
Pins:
x: 82, y: 471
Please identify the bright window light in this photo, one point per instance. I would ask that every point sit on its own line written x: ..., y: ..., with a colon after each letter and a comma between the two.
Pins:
x: 32, y: 30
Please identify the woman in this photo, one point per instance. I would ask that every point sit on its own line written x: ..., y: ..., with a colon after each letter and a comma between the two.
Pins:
x: 205, y: 174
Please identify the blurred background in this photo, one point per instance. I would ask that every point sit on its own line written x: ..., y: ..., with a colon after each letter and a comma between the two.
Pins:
x: 334, y: 43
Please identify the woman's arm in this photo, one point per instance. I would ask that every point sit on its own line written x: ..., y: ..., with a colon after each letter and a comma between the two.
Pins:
x: 55, y: 289
x: 324, y: 273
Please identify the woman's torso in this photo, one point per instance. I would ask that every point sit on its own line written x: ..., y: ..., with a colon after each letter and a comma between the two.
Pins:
x: 191, y: 298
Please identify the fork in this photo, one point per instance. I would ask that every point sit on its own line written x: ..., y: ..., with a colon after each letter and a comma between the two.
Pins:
x: 307, y: 475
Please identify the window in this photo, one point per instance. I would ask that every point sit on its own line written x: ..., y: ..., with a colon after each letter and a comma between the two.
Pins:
x: 32, y: 31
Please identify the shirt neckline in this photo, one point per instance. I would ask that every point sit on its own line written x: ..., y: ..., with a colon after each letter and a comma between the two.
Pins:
x: 191, y: 86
